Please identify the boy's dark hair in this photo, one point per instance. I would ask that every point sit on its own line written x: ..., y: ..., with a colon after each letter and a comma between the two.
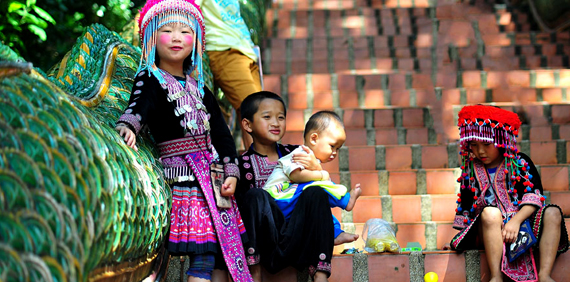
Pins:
x: 321, y: 121
x: 250, y: 104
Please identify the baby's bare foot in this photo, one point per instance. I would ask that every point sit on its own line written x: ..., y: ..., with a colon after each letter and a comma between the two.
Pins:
x: 345, y: 238
x: 354, y: 194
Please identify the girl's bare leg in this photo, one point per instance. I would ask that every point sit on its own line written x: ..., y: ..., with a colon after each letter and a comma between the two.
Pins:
x: 548, y: 245
x: 219, y: 275
x: 490, y: 229
x: 196, y: 279
x: 320, y: 277
x: 255, y: 271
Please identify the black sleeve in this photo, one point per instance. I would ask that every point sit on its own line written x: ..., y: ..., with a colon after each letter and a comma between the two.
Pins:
x: 465, y: 201
x: 530, y: 195
x: 136, y: 115
x: 221, y: 137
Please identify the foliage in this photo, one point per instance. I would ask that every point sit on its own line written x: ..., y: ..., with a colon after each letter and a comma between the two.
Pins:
x: 28, y: 15
x: 52, y: 26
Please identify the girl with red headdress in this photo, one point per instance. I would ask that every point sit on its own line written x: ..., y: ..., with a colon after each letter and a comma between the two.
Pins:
x: 500, y: 189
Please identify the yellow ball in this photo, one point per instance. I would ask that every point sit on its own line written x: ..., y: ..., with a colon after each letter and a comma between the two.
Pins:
x: 430, y: 277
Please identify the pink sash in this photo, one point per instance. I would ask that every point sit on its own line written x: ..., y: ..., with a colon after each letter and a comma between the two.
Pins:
x: 225, y: 221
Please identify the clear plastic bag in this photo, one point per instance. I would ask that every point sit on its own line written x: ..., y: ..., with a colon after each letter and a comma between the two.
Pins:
x: 379, y: 236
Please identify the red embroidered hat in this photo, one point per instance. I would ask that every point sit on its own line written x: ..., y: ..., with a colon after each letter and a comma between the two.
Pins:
x: 489, y: 124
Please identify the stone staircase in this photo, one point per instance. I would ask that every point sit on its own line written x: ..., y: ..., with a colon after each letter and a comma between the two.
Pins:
x: 398, y: 72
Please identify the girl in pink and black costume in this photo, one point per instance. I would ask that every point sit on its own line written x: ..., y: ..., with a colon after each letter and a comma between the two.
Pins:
x: 169, y: 97
x: 500, y: 188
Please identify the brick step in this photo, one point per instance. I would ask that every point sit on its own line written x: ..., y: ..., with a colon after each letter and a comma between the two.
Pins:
x: 544, y: 132
x: 425, y: 135
x: 369, y: 22
x: 431, y: 181
x: 559, y: 78
x: 407, y: 117
x: 458, y: 33
x: 276, y: 49
x: 363, y: 51
x: 416, y: 156
x: 449, y: 266
x: 380, y: 136
x: 402, y: 209
x: 406, y: 209
x: 537, y: 102
x: 546, y: 49
x: 282, y: 18
x: 377, y: 182
x: 534, y: 114
x: 431, y: 235
x: 360, y: 62
x: 347, y: 4
x: 502, y: 16
x: 362, y: 21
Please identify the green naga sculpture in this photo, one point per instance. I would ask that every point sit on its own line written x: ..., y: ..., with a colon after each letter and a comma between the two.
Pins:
x: 76, y: 204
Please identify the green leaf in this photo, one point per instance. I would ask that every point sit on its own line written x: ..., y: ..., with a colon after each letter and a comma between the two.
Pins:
x: 41, y: 23
x: 78, y: 16
x: 15, y: 6
x: 30, y: 3
x: 13, y: 22
x: 30, y: 18
x: 23, y: 13
x: 45, y: 15
x: 40, y: 32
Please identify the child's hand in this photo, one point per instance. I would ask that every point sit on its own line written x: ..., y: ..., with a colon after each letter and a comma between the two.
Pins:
x: 128, y: 135
x: 511, y: 231
x: 308, y: 160
x: 229, y: 186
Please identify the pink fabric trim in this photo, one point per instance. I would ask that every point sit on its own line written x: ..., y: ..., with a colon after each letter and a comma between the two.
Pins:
x: 231, y: 169
x: 321, y: 266
x: 131, y: 120
x: 523, y: 269
x: 458, y: 222
x: 531, y: 199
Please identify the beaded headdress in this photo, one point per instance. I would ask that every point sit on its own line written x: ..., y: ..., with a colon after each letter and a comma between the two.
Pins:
x: 157, y: 13
x: 499, y: 127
